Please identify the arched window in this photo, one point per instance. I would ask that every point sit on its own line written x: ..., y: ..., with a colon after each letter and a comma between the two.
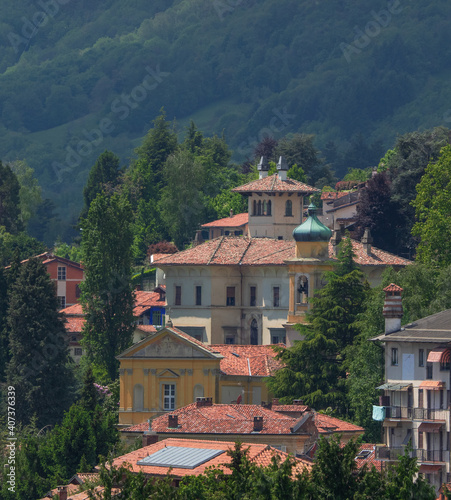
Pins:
x: 269, y: 208
x: 259, y: 207
x: 198, y: 391
x: 265, y: 207
x: 288, y: 208
x: 302, y: 290
x: 254, y: 332
x: 254, y: 211
x: 138, y: 397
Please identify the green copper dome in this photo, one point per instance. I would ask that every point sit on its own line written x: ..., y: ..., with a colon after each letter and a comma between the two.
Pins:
x: 312, y: 229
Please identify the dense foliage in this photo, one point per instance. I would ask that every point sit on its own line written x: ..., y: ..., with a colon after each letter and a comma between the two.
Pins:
x: 88, y: 77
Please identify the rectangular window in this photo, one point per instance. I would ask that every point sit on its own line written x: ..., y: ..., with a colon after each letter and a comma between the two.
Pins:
x: 78, y: 351
x: 178, y: 296
x: 394, y: 356
x: 278, y: 339
x: 62, y: 302
x: 420, y: 440
x: 156, y: 318
x: 230, y: 295
x: 275, y: 297
x: 77, y: 291
x: 61, y: 273
x: 168, y: 397
x: 230, y: 340
x: 198, y: 295
x: 420, y: 398
x: 253, y: 296
x: 421, y: 357
x: 428, y: 368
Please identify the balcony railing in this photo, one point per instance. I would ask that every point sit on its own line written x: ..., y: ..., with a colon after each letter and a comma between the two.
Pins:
x: 416, y: 413
x: 393, y: 453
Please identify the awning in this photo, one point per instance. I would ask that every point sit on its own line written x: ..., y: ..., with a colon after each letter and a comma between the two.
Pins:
x: 430, y: 427
x: 394, y: 387
x: 432, y: 385
x: 429, y: 468
x: 439, y: 355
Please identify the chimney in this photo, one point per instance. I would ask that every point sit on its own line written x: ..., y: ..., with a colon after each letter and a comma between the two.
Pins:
x: 149, y: 437
x: 275, y: 401
x: 231, y: 213
x: 173, y: 421
x: 298, y: 402
x: 366, y: 241
x: 62, y: 492
x: 282, y: 168
x: 258, y: 424
x: 392, y: 308
x: 263, y: 168
x: 204, y: 402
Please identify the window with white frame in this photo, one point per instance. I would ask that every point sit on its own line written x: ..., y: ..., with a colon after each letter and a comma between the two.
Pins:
x: 61, y: 302
x: 394, y: 356
x: 168, y: 397
x: 61, y: 273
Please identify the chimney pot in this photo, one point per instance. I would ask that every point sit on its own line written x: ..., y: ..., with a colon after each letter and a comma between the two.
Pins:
x: 298, y: 402
x: 263, y: 168
x: 204, y: 402
x: 366, y: 241
x: 258, y: 424
x: 275, y: 401
x: 231, y: 213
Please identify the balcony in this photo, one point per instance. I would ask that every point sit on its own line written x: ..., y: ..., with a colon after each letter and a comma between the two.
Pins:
x: 391, y: 454
x: 403, y: 412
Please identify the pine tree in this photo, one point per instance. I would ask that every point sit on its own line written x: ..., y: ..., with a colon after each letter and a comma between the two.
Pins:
x: 39, y: 366
x: 9, y: 200
x: 107, y: 292
x: 315, y: 367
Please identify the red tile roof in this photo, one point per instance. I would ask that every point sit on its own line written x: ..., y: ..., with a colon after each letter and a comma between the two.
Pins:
x: 74, y: 324
x: 258, y: 453
x: 332, y: 195
x: 274, y: 183
x: 393, y: 288
x: 368, y: 459
x: 146, y: 328
x: 224, y: 419
x: 237, y: 220
x: 231, y: 250
x: 289, y: 408
x: 327, y: 424
x: 247, y: 360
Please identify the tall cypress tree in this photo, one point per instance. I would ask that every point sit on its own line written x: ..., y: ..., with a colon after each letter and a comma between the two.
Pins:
x: 39, y: 366
x: 107, y: 292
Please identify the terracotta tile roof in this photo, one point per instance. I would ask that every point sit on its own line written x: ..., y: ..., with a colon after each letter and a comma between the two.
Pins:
x: 224, y: 419
x: 366, y: 455
x: 74, y: 324
x: 75, y: 310
x: 237, y: 220
x: 274, y: 183
x: 146, y: 328
x: 333, y: 195
x: 247, y: 360
x: 158, y: 256
x: 231, y: 250
x: 256, y: 455
x: 289, y: 408
x: 327, y: 424
x: 393, y: 288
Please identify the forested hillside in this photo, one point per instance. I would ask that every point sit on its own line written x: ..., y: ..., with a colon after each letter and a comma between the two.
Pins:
x: 79, y: 77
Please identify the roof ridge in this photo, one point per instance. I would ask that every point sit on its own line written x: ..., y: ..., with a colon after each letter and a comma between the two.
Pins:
x: 221, y: 239
x: 274, y: 180
x: 245, y: 251
x: 269, y: 254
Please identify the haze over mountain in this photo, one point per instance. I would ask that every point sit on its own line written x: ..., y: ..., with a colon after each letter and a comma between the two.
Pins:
x: 78, y: 77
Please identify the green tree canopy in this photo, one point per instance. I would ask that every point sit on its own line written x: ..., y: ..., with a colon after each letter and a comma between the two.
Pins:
x: 107, y: 292
x: 433, y: 212
x: 10, y: 215
x: 39, y: 366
